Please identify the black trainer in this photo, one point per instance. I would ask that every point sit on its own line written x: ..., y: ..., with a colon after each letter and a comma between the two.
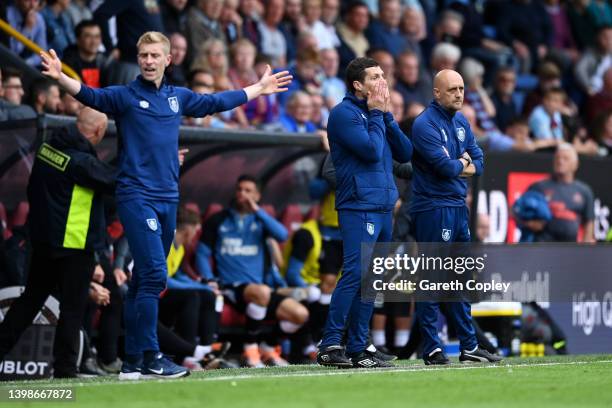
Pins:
x: 479, y: 355
x: 333, y: 356
x: 436, y: 357
x: 380, y: 353
x: 366, y: 359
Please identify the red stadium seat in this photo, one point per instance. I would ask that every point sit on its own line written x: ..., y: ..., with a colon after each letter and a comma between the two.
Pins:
x: 211, y: 210
x: 314, y: 213
x: 20, y: 215
x: 292, y: 217
x: 230, y: 317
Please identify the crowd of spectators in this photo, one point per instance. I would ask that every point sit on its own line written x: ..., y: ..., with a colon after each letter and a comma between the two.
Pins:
x: 545, y: 62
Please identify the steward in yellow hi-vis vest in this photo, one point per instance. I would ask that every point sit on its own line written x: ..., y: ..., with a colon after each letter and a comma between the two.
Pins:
x: 65, y: 192
x: 66, y: 223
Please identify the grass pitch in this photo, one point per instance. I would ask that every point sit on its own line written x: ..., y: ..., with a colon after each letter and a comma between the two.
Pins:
x: 568, y: 381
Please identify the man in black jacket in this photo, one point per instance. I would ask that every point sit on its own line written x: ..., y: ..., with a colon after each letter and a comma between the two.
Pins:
x: 66, y: 221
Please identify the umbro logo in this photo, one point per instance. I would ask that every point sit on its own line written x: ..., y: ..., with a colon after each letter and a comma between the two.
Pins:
x: 367, y: 362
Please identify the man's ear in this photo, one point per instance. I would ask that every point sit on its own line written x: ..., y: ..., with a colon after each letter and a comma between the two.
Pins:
x: 358, y: 86
x: 168, y: 59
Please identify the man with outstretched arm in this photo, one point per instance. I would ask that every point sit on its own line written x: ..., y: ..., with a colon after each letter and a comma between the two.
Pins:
x: 148, y: 114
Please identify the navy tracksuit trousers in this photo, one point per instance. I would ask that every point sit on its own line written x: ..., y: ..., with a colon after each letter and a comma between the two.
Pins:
x: 447, y: 224
x: 347, y: 308
x: 149, y: 227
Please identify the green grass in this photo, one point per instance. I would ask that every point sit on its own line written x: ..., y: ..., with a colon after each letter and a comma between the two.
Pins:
x: 572, y: 381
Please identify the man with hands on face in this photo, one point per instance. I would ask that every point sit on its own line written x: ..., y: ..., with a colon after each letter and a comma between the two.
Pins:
x: 148, y: 114
x: 445, y: 153
x: 364, y: 140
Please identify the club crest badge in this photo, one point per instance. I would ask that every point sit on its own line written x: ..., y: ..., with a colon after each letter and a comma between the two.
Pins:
x: 174, y: 105
x: 370, y: 228
x: 152, y: 223
x: 446, y: 234
x: 461, y: 134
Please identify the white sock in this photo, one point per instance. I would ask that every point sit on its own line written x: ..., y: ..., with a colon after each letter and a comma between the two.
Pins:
x: 309, y: 349
x: 401, y: 338
x: 247, y: 346
x: 255, y: 311
x: 325, y: 298
x: 379, y: 338
x: 289, y: 327
x: 265, y: 347
x: 314, y: 294
x: 201, y: 351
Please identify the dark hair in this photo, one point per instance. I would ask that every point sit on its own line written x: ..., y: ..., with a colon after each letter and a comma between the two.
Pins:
x: 248, y: 177
x: 352, y: 6
x: 356, y: 71
x: 518, y: 121
x: 41, y: 85
x: 83, y: 25
x: 552, y: 91
x: 186, y: 216
x: 9, y: 72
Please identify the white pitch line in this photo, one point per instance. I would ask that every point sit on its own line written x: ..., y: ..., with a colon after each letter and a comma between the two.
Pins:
x: 322, y: 373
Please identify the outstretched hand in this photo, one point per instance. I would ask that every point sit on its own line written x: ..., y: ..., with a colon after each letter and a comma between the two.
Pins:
x: 274, y: 83
x: 52, y: 66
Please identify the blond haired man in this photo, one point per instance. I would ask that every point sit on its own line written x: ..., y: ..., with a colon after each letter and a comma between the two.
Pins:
x: 148, y: 114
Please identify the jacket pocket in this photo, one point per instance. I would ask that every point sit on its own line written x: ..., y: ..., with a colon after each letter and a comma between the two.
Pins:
x: 374, y: 188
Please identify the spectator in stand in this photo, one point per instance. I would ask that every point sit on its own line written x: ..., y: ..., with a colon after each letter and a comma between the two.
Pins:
x: 203, y: 25
x: 580, y: 21
x: 545, y: 121
x: 11, y: 95
x: 259, y: 111
x: 603, y: 133
x: 320, y: 112
x: 444, y: 56
x: 601, y: 101
x: 600, y: 13
x: 133, y: 18
x: 203, y: 82
x: 384, y: 32
x: 351, y: 32
x: 525, y: 26
x: 492, y: 139
x: 79, y: 10
x: 518, y: 130
x: 292, y: 25
x: 298, y: 114
x: 503, y: 98
x: 26, y: 19
x: 333, y: 88
x: 312, y: 15
x: 174, y: 16
x: 175, y: 73
x: 212, y: 57
x: 413, y: 84
x: 329, y: 16
x: 449, y: 26
x: 60, y: 30
x: 595, y: 62
x: 251, y: 12
x: 272, y: 41
x: 305, y: 74
x: 45, y: 96
x: 563, y: 46
x: 549, y: 76
x: 570, y: 202
x: 475, y: 94
x: 386, y: 62
x: 397, y: 105
x: 84, y: 57
x: 414, y: 28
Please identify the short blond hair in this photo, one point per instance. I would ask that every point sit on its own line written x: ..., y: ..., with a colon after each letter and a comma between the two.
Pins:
x: 154, y: 37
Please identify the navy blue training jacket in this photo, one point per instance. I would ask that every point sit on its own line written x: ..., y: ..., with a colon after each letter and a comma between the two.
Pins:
x: 363, y: 145
x: 439, y: 139
x: 148, y: 121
